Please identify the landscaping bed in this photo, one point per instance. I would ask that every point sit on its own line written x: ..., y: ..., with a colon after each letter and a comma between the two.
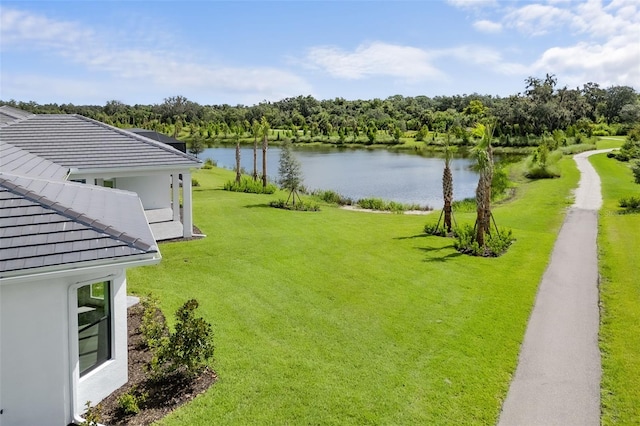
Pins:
x: 162, y: 396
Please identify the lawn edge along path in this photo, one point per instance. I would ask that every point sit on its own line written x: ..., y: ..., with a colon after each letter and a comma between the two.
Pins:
x: 557, y: 381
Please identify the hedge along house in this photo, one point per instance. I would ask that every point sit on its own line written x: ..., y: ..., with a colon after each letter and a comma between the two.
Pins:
x: 98, y: 154
x: 64, y: 251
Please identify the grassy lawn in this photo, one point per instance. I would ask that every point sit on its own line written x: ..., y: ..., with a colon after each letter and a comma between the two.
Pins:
x: 620, y: 295
x: 342, y: 317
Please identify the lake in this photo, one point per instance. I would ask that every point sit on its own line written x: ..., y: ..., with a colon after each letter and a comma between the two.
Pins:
x: 362, y: 173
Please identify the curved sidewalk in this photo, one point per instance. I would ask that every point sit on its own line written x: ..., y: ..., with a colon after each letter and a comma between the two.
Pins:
x: 557, y: 381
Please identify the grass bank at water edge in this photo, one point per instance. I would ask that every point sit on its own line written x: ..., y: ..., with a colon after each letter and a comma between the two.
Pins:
x: 342, y: 317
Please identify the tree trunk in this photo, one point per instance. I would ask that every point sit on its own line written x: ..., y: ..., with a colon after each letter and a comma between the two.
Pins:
x: 255, y: 159
x: 447, y: 192
x: 238, y: 174
x: 264, y: 162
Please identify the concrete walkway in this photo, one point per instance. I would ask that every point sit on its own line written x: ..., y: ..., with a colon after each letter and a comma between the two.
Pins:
x: 557, y: 381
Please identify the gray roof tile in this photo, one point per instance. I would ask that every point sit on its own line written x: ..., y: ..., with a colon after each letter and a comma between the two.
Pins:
x: 38, y: 232
x: 74, y: 141
x: 20, y: 162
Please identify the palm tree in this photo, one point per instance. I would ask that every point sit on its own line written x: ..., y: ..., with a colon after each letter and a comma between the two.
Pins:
x: 447, y: 185
x: 264, y: 131
x: 484, y: 156
x: 255, y: 131
x: 237, y: 131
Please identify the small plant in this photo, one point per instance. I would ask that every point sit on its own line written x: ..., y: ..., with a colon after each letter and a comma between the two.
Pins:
x: 301, y: 206
x: 92, y: 415
x: 130, y: 402
x: 249, y: 185
x: 194, y: 182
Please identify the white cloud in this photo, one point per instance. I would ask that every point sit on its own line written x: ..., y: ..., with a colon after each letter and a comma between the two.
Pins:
x: 472, y: 4
x: 159, y: 70
x: 537, y: 19
x: 377, y: 58
x: 486, y: 26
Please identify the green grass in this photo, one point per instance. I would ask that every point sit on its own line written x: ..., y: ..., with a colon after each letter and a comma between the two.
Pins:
x: 610, y: 142
x: 620, y: 295
x: 342, y: 317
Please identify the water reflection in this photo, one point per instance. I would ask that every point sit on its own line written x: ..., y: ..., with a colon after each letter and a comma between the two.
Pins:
x: 360, y: 173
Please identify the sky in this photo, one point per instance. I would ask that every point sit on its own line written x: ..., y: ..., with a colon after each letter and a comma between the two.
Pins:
x: 246, y: 52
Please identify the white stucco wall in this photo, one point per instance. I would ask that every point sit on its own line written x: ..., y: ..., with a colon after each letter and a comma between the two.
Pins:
x: 38, y: 350
x: 154, y: 191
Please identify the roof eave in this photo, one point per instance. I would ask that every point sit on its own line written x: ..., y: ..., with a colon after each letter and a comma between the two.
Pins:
x: 75, y: 171
x: 50, y: 272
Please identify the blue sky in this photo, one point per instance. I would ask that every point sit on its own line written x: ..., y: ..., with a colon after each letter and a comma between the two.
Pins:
x: 244, y: 52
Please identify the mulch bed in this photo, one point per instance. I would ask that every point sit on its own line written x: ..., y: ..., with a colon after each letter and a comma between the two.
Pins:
x: 162, y: 396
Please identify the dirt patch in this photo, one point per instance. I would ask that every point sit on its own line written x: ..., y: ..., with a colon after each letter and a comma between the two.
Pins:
x: 163, y: 396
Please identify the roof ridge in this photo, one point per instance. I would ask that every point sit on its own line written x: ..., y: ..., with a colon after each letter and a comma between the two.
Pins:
x: 141, y: 138
x: 81, y: 218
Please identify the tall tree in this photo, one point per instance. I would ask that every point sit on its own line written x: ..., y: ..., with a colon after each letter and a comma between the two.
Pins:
x: 264, y: 131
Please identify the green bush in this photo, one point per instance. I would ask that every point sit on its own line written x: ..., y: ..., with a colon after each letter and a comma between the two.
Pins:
x: 188, y: 349
x: 434, y: 229
x: 332, y: 197
x: 636, y: 171
x: 209, y: 164
x: 390, y: 206
x: 631, y: 203
x: 194, y: 182
x: 300, y: 206
x: 248, y: 185
x: 496, y: 242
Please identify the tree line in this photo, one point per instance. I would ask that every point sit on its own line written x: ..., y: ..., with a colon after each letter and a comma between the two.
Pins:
x: 542, y: 108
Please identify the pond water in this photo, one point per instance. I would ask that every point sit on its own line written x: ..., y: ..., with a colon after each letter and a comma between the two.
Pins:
x: 362, y: 173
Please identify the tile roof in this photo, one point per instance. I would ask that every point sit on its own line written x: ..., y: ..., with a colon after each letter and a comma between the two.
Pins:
x: 9, y: 114
x: 20, y: 162
x: 45, y: 223
x: 74, y: 141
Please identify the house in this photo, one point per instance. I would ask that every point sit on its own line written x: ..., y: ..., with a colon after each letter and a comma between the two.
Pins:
x: 76, y: 198
x: 98, y: 154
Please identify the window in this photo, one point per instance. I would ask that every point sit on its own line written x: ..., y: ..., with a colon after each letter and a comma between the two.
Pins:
x: 94, y: 325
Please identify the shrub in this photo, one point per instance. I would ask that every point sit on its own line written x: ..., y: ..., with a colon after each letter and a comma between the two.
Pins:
x: 636, y: 171
x: 631, y: 203
x: 332, y: 197
x: 129, y: 402
x: 188, y: 349
x: 496, y: 243
x: 372, y: 203
x: 300, y: 206
x: 434, y: 229
x: 194, y: 182
x: 209, y: 164
x: 248, y: 185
